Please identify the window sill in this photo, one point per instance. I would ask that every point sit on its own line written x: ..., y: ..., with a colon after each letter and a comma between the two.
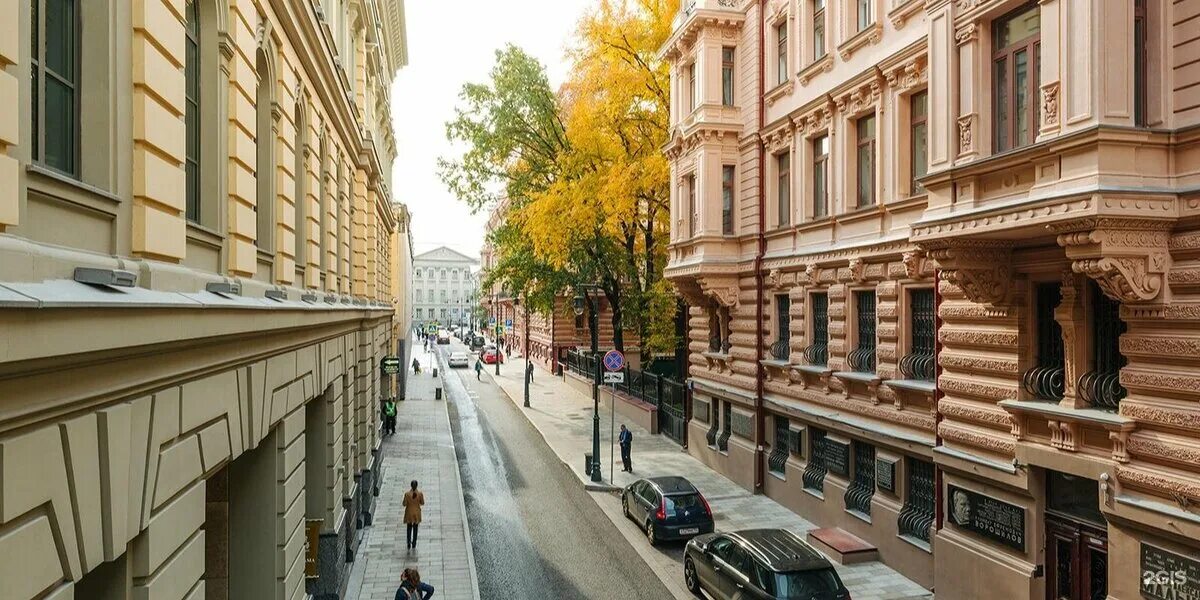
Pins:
x: 203, y: 235
x: 54, y: 184
x: 912, y: 385
x: 814, y: 493
x: 867, y: 378
x: 864, y: 517
x: 919, y: 543
x: 815, y: 223
x: 775, y: 363
x: 779, y: 91
x: 821, y: 370
x: 870, y: 34
x: 821, y: 65
x: 905, y: 11
x: 860, y: 213
x: 777, y: 475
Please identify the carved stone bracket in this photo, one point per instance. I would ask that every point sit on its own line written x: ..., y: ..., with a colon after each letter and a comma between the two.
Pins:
x: 723, y: 290
x: 983, y: 269
x: 1128, y: 258
x: 914, y: 264
x: 857, y: 269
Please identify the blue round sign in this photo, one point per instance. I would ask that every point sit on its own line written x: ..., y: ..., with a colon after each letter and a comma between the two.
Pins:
x: 614, y: 360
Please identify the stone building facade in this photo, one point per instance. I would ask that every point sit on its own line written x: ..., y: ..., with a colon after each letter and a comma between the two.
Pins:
x: 444, y: 287
x: 197, y: 243
x: 939, y: 257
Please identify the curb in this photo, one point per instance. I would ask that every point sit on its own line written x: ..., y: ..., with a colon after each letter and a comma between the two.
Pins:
x: 462, y: 503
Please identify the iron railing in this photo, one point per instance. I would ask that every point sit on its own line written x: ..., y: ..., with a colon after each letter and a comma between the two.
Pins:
x: 781, y: 349
x: 817, y: 353
x: 919, y: 364
x: 916, y: 516
x: 1101, y: 387
x: 714, y: 343
x: 862, y: 358
x: 1046, y: 380
x: 726, y: 427
x: 814, y: 471
x: 666, y: 394
x: 780, y: 449
x: 862, y: 487
x: 713, y: 426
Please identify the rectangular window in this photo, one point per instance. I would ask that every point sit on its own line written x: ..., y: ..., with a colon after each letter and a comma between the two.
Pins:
x: 191, y: 112
x: 866, y: 13
x: 918, y: 132
x: 1015, y: 68
x: 862, y: 486
x: 1139, y: 64
x: 784, y: 191
x: 818, y: 29
x: 1101, y: 387
x: 781, y: 448
x: 865, y: 128
x: 916, y: 516
x: 781, y: 73
x: 820, y: 148
x: 817, y: 352
x: 1044, y: 381
x: 692, y: 92
x: 782, y: 348
x: 692, y: 216
x: 727, y: 173
x: 918, y: 363
x: 862, y: 358
x: 54, y: 72
x: 814, y: 471
x: 727, y: 76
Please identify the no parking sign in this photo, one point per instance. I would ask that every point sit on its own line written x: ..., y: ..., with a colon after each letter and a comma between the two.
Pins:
x: 614, y: 360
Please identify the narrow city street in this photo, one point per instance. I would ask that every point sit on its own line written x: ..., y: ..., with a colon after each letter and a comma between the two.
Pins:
x: 535, y: 532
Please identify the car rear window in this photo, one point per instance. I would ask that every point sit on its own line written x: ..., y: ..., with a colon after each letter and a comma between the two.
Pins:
x: 817, y: 584
x: 681, y: 502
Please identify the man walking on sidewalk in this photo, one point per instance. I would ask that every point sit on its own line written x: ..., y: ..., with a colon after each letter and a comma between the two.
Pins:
x: 626, y: 441
x: 478, y: 368
x: 413, y: 501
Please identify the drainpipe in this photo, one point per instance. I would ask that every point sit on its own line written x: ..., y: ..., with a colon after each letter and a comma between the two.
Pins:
x: 759, y: 417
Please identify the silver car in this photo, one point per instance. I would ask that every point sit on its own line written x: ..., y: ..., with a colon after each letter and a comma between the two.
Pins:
x: 458, y: 359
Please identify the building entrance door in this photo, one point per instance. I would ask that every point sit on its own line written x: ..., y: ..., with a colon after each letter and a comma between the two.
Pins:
x: 1076, y: 560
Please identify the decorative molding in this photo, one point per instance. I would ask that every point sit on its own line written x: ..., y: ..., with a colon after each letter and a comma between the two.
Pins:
x: 722, y: 290
x: 1128, y: 258
x: 776, y: 93
x: 966, y: 34
x: 966, y: 134
x: 871, y: 35
x: 779, y: 139
x: 1050, y: 103
x: 857, y: 269
x: 982, y: 269
x: 816, y: 120
x: 914, y: 264
x: 861, y: 97
x: 906, y: 10
x: 910, y: 74
x: 821, y: 65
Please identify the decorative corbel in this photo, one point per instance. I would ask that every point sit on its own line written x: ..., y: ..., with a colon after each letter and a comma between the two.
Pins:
x: 723, y: 290
x: 982, y: 269
x: 858, y: 269
x: 1128, y: 258
x: 914, y: 264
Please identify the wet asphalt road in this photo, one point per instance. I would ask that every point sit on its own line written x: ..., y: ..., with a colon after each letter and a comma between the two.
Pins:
x: 536, y: 533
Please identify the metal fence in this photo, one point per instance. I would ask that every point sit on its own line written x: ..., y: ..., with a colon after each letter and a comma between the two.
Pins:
x: 666, y: 394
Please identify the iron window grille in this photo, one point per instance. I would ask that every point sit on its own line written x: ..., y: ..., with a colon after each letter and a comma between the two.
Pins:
x: 919, y: 363
x: 862, y: 358
x: 814, y: 471
x: 781, y: 449
x: 1046, y: 379
x: 714, y: 423
x: 862, y: 487
x: 1101, y: 387
x: 817, y: 353
x: 782, y: 348
x: 917, y: 514
x: 726, y: 427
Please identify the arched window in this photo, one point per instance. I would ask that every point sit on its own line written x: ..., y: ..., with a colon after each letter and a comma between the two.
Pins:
x: 265, y: 141
x: 191, y: 71
x: 300, y: 176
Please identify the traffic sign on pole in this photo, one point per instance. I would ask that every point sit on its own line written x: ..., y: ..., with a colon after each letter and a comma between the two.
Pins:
x: 614, y: 360
x: 614, y: 377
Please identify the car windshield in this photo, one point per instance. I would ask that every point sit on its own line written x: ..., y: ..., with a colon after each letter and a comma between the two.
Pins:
x: 678, y: 503
x: 458, y: 355
x: 807, y: 585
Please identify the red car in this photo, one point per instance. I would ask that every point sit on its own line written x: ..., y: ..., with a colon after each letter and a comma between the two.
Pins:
x: 490, y: 355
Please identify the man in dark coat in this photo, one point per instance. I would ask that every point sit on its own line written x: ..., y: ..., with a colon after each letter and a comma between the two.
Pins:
x: 626, y: 440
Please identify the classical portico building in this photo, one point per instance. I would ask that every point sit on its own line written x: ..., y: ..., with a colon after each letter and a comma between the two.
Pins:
x: 941, y: 261
x: 198, y: 278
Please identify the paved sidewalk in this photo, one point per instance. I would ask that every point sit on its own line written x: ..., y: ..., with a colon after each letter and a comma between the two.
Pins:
x: 564, y: 418
x: 422, y: 449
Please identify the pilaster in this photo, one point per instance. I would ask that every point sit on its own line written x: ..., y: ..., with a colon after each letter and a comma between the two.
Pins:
x: 10, y: 57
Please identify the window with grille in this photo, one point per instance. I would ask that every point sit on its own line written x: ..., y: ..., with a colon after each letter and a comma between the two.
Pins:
x: 727, y: 179
x: 726, y: 427
x: 817, y: 352
x: 714, y: 423
x: 55, y: 77
x: 917, y: 514
x: 862, y: 358
x: 862, y: 486
x: 1101, y: 387
x: 779, y: 452
x: 1045, y: 380
x: 820, y: 149
x: 865, y: 130
x: 1016, y: 68
x: 814, y: 471
x: 919, y: 362
x: 782, y: 348
x: 727, y: 76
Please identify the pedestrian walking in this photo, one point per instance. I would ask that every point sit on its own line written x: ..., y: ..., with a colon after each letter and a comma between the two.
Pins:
x: 626, y: 441
x: 478, y: 368
x: 412, y: 588
x: 389, y: 416
x: 413, y: 501
x: 529, y: 369
x: 416, y: 365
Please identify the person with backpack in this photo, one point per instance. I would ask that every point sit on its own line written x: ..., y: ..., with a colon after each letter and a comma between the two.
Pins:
x: 412, y: 588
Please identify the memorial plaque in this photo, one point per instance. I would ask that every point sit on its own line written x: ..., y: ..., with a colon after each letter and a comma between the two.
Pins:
x: 837, y: 457
x: 991, y: 518
x: 885, y: 474
x: 312, y: 538
x: 1169, y: 576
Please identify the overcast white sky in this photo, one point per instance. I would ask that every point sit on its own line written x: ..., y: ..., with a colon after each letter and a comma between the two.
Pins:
x: 451, y: 42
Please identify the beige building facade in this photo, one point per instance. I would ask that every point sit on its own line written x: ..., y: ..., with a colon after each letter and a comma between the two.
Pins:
x: 197, y: 283
x: 940, y: 258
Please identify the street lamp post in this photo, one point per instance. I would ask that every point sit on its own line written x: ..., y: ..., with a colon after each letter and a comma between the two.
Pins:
x: 593, y: 318
x: 496, y: 333
x: 528, y: 365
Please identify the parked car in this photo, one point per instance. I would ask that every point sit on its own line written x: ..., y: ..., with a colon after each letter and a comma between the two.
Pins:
x: 667, y: 508
x: 458, y: 359
x: 443, y: 336
x: 760, y: 564
x: 490, y: 355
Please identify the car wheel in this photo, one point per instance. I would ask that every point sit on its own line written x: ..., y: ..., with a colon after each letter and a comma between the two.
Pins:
x: 625, y: 505
x: 690, y: 579
x: 650, y: 535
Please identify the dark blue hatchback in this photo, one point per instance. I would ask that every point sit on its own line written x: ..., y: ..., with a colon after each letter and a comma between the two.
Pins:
x: 667, y: 508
